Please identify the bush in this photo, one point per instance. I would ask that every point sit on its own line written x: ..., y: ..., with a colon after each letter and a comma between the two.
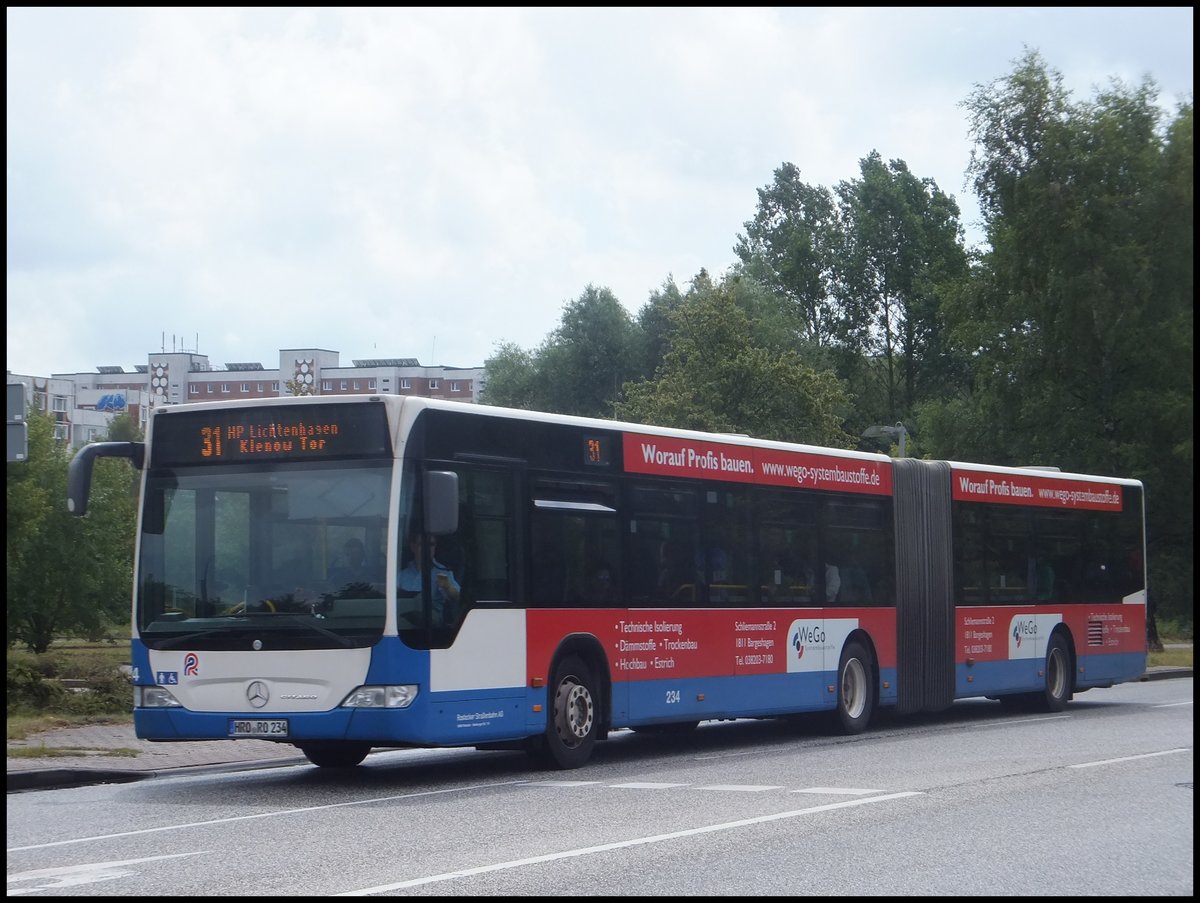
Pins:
x: 34, y: 681
x: 30, y: 690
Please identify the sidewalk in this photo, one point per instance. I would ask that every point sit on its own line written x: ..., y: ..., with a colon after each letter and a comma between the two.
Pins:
x: 93, y: 766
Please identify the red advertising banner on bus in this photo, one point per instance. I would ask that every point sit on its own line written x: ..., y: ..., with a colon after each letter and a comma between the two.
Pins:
x: 1047, y: 492
x: 671, y: 457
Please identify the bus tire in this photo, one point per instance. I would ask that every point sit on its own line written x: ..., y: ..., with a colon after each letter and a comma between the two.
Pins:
x: 335, y: 753
x: 571, y: 734
x: 1057, y: 691
x: 855, y: 692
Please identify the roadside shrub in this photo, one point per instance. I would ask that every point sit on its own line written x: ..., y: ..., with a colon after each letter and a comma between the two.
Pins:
x: 30, y: 691
x: 34, y: 685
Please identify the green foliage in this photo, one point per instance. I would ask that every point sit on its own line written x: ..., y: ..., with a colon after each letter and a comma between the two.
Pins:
x: 35, y: 681
x: 66, y: 575
x: 1078, y: 320
x: 29, y: 689
x: 789, y: 247
x: 719, y: 376
x: 511, y: 379
x: 580, y: 368
x: 899, y: 252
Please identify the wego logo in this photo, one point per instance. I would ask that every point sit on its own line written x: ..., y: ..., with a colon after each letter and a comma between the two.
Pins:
x: 806, y: 635
x: 1023, y: 629
x: 257, y: 694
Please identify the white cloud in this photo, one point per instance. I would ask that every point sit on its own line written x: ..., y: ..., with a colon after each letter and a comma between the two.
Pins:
x: 430, y: 182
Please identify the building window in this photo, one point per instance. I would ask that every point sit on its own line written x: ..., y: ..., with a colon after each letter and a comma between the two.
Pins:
x: 245, y: 387
x: 433, y: 384
x: 371, y: 384
x: 210, y: 388
x: 453, y: 387
x: 58, y: 404
x: 356, y: 385
x: 224, y: 388
x: 274, y: 387
x: 327, y: 385
x: 193, y: 389
x: 259, y: 387
x: 344, y: 385
x: 405, y: 384
x: 60, y: 432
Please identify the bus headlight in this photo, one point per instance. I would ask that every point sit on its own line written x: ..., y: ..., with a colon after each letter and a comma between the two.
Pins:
x: 154, y: 698
x: 392, y: 696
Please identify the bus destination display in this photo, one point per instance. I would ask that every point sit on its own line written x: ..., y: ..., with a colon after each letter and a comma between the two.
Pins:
x: 270, y: 434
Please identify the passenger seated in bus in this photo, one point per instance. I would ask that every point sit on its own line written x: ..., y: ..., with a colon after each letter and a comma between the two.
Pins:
x: 445, y: 587
x: 855, y: 587
x: 601, y: 588
x: 833, y: 583
x: 674, y: 574
x: 1044, y: 582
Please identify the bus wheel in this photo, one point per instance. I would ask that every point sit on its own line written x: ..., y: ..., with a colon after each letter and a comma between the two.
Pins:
x: 335, y: 754
x: 1057, y: 692
x: 571, y: 734
x: 855, y: 695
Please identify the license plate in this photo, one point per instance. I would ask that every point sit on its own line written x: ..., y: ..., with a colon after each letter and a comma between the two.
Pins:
x: 251, y: 727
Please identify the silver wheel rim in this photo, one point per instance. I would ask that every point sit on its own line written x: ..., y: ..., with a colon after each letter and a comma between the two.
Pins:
x: 573, y: 712
x: 1056, y: 673
x: 854, y: 688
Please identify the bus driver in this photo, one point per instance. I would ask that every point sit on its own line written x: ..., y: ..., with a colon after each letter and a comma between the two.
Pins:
x: 445, y: 587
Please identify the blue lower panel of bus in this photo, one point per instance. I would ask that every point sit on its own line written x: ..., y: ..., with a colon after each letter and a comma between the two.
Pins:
x: 448, y: 720
x: 1025, y: 675
x: 1105, y: 670
x: 745, y: 696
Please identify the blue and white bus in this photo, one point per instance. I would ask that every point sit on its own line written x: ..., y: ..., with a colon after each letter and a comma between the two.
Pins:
x: 579, y: 576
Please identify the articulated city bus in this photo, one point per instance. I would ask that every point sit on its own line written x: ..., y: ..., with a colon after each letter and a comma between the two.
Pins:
x: 343, y: 574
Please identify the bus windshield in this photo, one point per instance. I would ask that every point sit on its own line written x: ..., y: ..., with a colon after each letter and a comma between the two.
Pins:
x: 289, y: 555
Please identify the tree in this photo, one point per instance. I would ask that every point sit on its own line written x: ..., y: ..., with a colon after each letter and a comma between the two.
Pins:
x: 66, y: 574
x: 579, y: 369
x: 899, y: 248
x: 654, y: 325
x: 1079, y: 318
x: 788, y: 248
x: 716, y: 377
x: 512, y: 378
x: 587, y: 359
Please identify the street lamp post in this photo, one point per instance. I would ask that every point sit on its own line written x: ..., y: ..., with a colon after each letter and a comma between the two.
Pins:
x: 899, y: 432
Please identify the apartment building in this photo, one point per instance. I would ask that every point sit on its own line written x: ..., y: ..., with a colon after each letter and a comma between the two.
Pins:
x: 83, y: 404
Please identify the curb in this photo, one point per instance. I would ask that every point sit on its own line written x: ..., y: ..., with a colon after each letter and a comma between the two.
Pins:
x: 1165, y: 672
x: 59, y: 778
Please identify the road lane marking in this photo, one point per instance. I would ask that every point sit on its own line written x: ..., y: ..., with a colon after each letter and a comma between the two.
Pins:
x: 1165, y: 752
x: 620, y: 845
x: 88, y: 873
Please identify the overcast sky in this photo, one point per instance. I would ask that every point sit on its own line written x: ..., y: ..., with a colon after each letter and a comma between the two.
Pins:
x: 429, y: 183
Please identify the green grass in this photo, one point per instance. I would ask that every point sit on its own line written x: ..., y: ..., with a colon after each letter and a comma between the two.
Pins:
x: 1174, y: 658
x: 59, y: 752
